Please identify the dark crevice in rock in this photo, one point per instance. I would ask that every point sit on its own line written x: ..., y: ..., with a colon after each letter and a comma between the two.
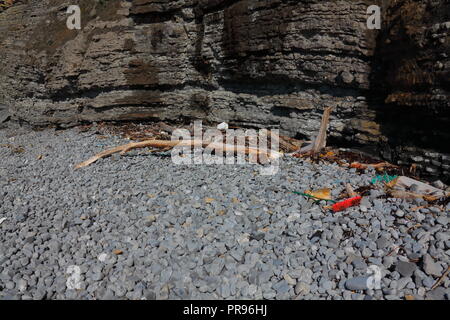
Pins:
x: 92, y: 93
x: 283, y: 85
x: 212, y: 6
x: 154, y: 17
x: 408, y: 95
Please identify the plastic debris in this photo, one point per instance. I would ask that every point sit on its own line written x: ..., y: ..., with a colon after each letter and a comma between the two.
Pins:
x: 407, y: 184
x: 340, y: 206
x: 322, y: 194
x: 222, y: 126
x: 384, y: 178
x: 2, y: 220
x: 312, y: 197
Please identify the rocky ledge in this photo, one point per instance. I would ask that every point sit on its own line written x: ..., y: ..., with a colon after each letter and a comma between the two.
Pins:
x: 274, y: 63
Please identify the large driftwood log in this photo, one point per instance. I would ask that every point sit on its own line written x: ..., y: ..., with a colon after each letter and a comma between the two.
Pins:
x: 163, y: 144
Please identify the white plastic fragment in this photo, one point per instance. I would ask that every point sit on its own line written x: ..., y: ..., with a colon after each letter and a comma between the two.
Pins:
x: 223, y: 126
x: 421, y: 188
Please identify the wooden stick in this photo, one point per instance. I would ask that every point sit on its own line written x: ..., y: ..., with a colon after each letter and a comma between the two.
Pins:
x: 287, y: 145
x: 438, y: 282
x: 164, y: 144
x: 381, y: 165
x: 165, y: 127
x: 350, y: 191
x: 395, y: 250
x: 321, y: 140
x: 411, y: 195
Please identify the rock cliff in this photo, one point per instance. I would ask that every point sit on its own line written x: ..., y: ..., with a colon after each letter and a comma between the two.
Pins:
x: 268, y: 63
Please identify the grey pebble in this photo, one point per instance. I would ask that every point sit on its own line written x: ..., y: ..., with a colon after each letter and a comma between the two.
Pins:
x: 406, y: 269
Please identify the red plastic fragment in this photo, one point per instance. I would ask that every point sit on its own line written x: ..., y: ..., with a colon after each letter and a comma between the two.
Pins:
x: 346, y: 204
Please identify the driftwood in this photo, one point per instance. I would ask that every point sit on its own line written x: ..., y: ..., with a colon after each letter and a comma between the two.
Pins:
x: 165, y: 127
x: 284, y: 143
x: 350, y: 192
x: 441, y: 278
x: 363, y: 166
x: 289, y: 144
x: 411, y: 195
x: 405, y: 183
x: 320, y: 141
x: 166, y: 145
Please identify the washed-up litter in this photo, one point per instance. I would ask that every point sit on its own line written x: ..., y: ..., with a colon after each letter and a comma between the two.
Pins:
x: 322, y: 194
x: 342, y: 205
x: 325, y: 195
x: 158, y: 138
x: 320, y: 141
x: 350, y: 192
x: 407, y: 188
x: 407, y: 184
x: 395, y: 185
x: 308, y: 195
x: 222, y: 126
x: 378, y: 166
x: 348, y: 158
x: 2, y: 220
x: 383, y: 178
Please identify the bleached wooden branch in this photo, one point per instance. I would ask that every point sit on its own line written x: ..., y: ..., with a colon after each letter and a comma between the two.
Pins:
x: 164, y: 144
x: 321, y: 140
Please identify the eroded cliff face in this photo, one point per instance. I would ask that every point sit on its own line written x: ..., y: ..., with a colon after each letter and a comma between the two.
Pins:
x: 410, y: 85
x: 271, y: 63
